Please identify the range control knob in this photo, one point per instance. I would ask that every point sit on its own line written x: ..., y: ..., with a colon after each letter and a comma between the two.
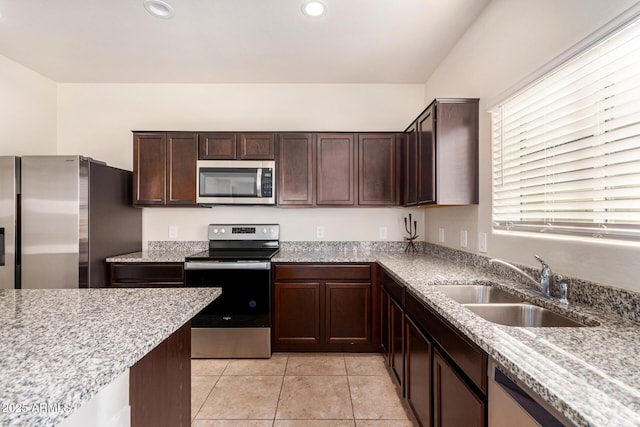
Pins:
x: 215, y: 231
x: 222, y: 230
x: 264, y: 230
x: 271, y: 230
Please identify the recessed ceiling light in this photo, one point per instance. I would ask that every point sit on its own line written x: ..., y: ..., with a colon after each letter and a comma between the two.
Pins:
x: 159, y: 8
x: 314, y: 8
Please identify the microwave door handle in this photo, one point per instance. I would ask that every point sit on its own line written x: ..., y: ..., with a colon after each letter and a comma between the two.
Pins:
x: 259, y: 182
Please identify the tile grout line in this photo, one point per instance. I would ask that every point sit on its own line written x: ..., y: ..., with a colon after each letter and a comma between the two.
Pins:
x: 284, y: 374
x: 210, y: 391
x: 353, y: 409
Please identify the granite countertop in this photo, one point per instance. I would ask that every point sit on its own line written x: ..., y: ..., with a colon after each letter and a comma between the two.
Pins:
x: 62, y: 346
x: 589, y: 374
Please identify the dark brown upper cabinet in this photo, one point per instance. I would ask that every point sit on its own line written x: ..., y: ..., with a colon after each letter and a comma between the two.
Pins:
x: 335, y: 169
x: 236, y: 146
x: 410, y: 166
x: 378, y: 169
x: 426, y: 171
x: 446, y: 154
x: 295, y: 169
x: 164, y: 169
x: 217, y: 146
x: 257, y: 146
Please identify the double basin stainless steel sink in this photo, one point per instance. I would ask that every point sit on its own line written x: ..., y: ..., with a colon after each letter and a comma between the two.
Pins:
x: 498, y: 306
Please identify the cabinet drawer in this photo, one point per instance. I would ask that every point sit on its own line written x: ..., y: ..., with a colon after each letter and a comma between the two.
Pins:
x: 394, y: 289
x: 322, y: 272
x: 469, y: 357
x: 161, y: 273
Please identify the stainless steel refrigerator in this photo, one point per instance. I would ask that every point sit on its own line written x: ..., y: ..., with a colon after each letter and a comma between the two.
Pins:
x: 60, y: 217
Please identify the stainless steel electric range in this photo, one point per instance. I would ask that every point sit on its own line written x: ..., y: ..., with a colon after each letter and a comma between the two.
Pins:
x: 238, y: 323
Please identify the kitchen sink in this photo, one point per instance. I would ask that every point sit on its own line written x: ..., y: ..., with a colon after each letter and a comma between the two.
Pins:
x: 477, y: 294
x: 524, y: 315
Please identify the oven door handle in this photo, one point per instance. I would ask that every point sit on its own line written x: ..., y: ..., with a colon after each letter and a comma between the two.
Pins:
x: 196, y: 265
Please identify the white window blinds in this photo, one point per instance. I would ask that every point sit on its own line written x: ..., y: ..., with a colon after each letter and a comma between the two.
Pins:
x: 566, y: 150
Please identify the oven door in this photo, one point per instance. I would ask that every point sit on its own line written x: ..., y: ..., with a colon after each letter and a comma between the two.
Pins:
x: 246, y: 293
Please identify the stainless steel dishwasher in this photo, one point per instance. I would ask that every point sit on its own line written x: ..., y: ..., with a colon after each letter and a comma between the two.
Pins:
x: 512, y: 403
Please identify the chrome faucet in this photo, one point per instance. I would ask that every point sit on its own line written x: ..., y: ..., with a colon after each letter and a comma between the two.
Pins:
x: 545, y: 274
x: 545, y: 277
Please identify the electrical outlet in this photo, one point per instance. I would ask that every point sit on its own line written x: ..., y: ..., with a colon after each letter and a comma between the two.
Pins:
x: 173, y: 232
x: 463, y: 238
x: 320, y: 232
x: 482, y: 242
x: 383, y: 232
x: 441, y: 235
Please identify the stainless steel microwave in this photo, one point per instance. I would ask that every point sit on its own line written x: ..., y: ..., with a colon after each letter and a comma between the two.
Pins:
x: 236, y: 182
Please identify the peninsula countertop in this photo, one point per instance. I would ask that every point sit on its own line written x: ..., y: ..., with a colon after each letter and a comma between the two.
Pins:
x: 60, y: 347
x: 589, y: 374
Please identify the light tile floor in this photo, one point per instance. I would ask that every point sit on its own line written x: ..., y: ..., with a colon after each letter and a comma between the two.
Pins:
x: 296, y: 390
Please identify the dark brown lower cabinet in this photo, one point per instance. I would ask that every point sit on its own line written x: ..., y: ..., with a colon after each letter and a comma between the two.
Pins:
x: 439, y: 371
x: 396, y: 354
x: 296, y: 314
x: 146, y: 275
x: 418, y: 350
x: 348, y: 313
x: 160, y: 383
x: 324, y: 307
x: 454, y: 402
x: 385, y: 344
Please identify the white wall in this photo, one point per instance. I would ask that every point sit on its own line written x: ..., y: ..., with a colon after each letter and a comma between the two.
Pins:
x: 96, y: 120
x: 27, y: 111
x: 295, y: 224
x: 510, y: 40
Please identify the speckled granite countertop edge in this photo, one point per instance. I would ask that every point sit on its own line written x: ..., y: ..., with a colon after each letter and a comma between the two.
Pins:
x: 77, y: 341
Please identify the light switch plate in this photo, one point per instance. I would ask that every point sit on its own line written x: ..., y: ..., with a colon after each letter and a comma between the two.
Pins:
x: 320, y: 232
x: 482, y: 242
x: 383, y: 232
x: 463, y: 238
x: 441, y: 235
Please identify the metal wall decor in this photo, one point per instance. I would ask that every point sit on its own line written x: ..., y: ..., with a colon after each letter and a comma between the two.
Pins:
x: 412, y: 228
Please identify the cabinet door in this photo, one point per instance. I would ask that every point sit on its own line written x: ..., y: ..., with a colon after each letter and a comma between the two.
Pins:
x: 182, y: 155
x: 384, y: 324
x: 217, y: 146
x: 334, y: 170
x: 378, y: 171
x: 411, y: 166
x: 426, y: 159
x: 418, y: 373
x: 257, y: 146
x: 149, y: 168
x: 297, y: 313
x: 396, y: 330
x: 295, y: 170
x: 457, y: 152
x: 348, y: 313
x: 454, y: 403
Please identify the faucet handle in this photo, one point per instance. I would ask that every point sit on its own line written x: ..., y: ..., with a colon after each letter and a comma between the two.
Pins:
x: 563, y: 293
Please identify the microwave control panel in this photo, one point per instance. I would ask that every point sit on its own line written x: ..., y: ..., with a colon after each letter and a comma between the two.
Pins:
x: 267, y: 182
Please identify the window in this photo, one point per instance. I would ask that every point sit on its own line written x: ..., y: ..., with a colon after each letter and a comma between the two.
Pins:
x: 566, y: 149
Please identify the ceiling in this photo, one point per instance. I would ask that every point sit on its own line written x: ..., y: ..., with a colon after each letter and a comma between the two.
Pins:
x: 233, y: 41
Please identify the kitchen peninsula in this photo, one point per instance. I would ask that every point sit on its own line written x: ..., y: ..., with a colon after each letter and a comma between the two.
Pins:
x: 69, y: 356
